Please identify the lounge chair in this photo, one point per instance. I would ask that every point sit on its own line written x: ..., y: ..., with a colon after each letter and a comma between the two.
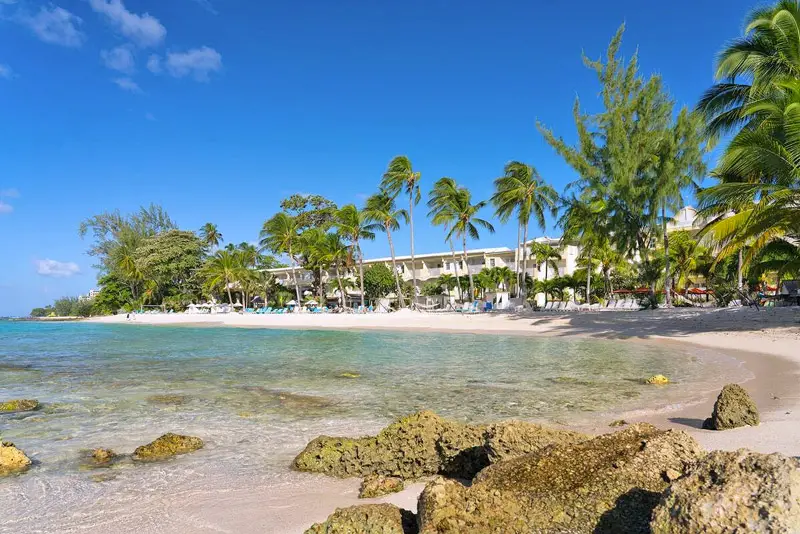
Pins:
x: 549, y: 305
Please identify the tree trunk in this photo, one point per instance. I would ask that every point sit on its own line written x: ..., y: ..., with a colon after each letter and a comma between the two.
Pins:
x: 516, y: 258
x: 455, y: 266
x: 394, y: 268
x: 228, y: 287
x: 667, y: 281
x: 341, y: 286
x: 546, y: 263
x: 740, y: 285
x: 294, y: 276
x: 413, y: 266
x: 589, y: 280
x: 322, y: 290
x: 469, y: 272
x: 360, y: 270
x: 524, y: 284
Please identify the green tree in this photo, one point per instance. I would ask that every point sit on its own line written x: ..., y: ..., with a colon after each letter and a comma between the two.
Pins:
x: 354, y: 225
x: 442, y: 213
x: 547, y: 255
x: 380, y: 209
x: 170, y: 259
x: 221, y: 270
x: 521, y: 192
x: 310, y: 211
x: 280, y: 235
x: 400, y: 176
x: 331, y: 251
x: 114, y: 295
x: 448, y: 282
x: 210, y: 235
x: 379, y: 281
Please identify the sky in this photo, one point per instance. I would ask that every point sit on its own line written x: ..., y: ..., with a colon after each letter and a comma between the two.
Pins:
x: 218, y: 109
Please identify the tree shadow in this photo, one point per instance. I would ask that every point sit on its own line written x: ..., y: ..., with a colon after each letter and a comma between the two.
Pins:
x: 631, y: 513
x: 687, y: 421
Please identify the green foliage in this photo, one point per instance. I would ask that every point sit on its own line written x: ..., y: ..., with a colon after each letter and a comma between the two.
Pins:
x: 113, y: 296
x: 210, y: 235
x: 310, y: 211
x: 169, y: 259
x: 378, y: 281
x: 42, y: 312
x: 432, y: 288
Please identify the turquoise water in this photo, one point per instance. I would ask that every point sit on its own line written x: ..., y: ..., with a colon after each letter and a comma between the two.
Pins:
x: 257, y: 396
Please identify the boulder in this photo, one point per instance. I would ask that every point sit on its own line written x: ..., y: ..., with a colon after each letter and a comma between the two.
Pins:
x: 12, y: 460
x: 658, y: 380
x: 19, y: 405
x: 734, y: 408
x: 102, y: 457
x: 367, y: 518
x: 610, y: 483
x: 738, y: 491
x: 377, y: 486
x: 515, y: 438
x: 415, y: 446
x: 167, y: 446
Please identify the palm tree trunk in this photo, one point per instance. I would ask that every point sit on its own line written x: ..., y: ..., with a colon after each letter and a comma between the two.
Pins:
x: 469, y: 272
x: 589, y: 280
x: 455, y: 266
x: 341, y: 286
x: 739, y: 272
x: 516, y: 258
x: 525, y: 265
x: 394, y: 268
x: 228, y: 287
x: 294, y: 276
x: 413, y: 267
x: 545, y: 279
x: 667, y: 281
x: 321, y: 286
x: 361, y: 271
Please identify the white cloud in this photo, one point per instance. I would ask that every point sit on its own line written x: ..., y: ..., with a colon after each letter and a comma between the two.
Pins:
x: 119, y: 58
x: 5, y: 71
x: 144, y: 30
x: 198, y: 62
x: 154, y: 64
x: 54, y: 25
x: 57, y: 269
x: 5, y: 208
x: 127, y: 84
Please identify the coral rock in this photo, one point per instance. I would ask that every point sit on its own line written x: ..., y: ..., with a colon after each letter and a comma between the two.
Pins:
x: 367, y: 518
x: 19, y: 405
x: 167, y: 446
x: 658, y: 380
x: 12, y: 459
x: 377, y: 486
x: 734, y: 408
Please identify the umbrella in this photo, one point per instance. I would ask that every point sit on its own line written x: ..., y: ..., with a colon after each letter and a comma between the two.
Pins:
x: 311, y: 302
x: 257, y: 299
x: 292, y: 303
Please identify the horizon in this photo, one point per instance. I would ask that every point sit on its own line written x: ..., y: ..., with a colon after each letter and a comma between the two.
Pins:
x: 248, y: 104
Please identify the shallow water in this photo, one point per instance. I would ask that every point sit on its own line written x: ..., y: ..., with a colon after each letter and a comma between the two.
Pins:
x: 257, y: 396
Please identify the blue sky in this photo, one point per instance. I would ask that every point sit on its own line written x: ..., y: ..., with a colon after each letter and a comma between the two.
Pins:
x: 217, y: 109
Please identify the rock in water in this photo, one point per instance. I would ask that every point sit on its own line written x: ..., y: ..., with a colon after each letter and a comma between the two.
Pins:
x: 734, y: 408
x: 418, y: 445
x: 515, y: 438
x: 103, y: 457
x: 367, y: 518
x: 738, y: 491
x: 19, y: 405
x: 609, y: 484
x: 658, y: 380
x: 167, y: 446
x: 12, y: 460
x: 377, y: 486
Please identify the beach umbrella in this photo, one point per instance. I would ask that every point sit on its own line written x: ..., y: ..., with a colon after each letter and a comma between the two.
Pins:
x: 311, y: 302
x: 257, y: 299
x: 292, y: 303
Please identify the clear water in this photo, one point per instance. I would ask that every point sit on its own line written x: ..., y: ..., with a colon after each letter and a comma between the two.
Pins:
x: 257, y: 396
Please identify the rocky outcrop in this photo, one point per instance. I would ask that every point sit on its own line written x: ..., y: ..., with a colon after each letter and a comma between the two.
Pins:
x: 19, y: 405
x: 103, y: 457
x: 377, y: 486
x: 12, y: 460
x: 418, y: 445
x: 367, y: 518
x: 515, y: 438
x: 734, y: 408
x: 610, y: 483
x: 167, y: 446
x: 657, y: 380
x: 738, y: 491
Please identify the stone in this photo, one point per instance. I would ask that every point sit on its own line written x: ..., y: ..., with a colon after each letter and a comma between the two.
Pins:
x: 12, y: 460
x: 739, y: 491
x: 658, y: 380
x: 734, y: 408
x: 607, y: 484
x: 367, y: 518
x: 349, y: 374
x: 510, y: 439
x: 167, y: 446
x: 19, y: 405
x: 377, y: 486
x: 103, y: 457
x: 618, y: 423
x: 415, y: 446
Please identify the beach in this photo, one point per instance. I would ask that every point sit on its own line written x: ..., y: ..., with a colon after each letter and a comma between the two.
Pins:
x: 764, y: 342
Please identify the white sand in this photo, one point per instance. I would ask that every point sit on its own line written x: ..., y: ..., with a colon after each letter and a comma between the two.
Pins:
x: 767, y: 342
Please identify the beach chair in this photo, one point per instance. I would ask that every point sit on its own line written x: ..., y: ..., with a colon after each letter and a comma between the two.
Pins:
x: 370, y: 309
x: 549, y: 305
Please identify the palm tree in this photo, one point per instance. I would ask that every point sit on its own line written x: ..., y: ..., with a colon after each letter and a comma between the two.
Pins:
x: 465, y: 225
x: 441, y: 213
x: 279, y: 235
x: 449, y: 282
x: 685, y: 253
x: 581, y: 223
x: 331, y: 251
x: 399, y: 177
x: 544, y: 254
x: 381, y: 210
x: 354, y: 226
x: 309, y: 248
x: 522, y: 192
x: 222, y: 269
x: 210, y: 236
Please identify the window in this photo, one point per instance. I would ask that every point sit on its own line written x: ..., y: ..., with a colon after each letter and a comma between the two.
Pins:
x: 461, y: 264
x: 438, y: 265
x: 492, y: 263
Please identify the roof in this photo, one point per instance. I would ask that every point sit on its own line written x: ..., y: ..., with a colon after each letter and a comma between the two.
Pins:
x: 447, y: 254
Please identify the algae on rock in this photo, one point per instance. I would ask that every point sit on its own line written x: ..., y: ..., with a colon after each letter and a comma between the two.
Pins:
x: 377, y: 486
x: 19, y: 405
x: 510, y: 439
x: 740, y: 491
x: 734, y: 408
x: 167, y: 446
x: 367, y: 518
x: 12, y: 459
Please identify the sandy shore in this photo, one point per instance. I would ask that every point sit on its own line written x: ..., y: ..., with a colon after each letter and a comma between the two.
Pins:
x: 766, y: 342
